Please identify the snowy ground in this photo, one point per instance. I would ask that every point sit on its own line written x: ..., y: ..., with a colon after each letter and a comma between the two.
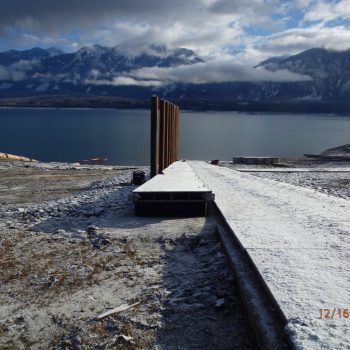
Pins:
x: 326, y: 177
x: 332, y: 183
x: 72, y: 249
x: 299, y: 240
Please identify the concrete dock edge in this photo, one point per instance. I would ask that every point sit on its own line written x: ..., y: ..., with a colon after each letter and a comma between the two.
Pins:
x: 264, y: 313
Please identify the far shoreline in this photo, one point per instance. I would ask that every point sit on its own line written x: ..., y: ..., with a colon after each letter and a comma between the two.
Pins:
x: 108, y: 102
x: 262, y: 112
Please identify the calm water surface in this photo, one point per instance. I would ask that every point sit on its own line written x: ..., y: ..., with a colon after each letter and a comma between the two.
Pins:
x: 122, y: 136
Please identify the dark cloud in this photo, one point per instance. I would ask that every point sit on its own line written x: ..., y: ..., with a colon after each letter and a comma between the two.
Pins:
x: 258, y: 7
x: 212, y: 28
x: 54, y: 15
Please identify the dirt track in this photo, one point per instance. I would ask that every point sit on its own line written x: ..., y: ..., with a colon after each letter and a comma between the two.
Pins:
x: 29, y: 184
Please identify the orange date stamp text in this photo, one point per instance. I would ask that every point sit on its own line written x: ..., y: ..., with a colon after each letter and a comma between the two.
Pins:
x: 332, y: 313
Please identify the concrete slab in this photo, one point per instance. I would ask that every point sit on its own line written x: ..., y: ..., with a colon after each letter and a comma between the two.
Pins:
x: 303, y: 282
x: 178, y: 177
x: 176, y: 192
x: 299, y: 240
x: 287, y: 233
x: 295, y: 170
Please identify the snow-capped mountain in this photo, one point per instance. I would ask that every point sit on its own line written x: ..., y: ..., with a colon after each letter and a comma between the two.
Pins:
x: 53, y: 67
x: 103, y: 71
x: 8, y: 58
x: 329, y: 70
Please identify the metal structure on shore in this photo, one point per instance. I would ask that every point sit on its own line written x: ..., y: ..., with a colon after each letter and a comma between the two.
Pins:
x: 174, y: 189
x: 164, y: 134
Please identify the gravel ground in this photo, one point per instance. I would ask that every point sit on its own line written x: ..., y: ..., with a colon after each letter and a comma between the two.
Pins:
x: 332, y: 183
x: 335, y: 184
x: 72, y: 249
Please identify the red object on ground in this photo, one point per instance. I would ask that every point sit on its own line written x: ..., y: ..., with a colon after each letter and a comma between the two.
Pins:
x: 96, y: 160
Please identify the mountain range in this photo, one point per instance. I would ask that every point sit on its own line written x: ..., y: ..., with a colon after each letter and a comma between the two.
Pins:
x: 102, y: 71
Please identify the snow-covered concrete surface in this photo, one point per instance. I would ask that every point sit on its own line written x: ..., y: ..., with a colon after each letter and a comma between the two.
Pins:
x: 178, y: 177
x: 299, y: 239
x: 296, y: 170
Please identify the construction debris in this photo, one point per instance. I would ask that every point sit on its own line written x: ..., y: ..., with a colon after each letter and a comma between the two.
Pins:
x: 117, y: 309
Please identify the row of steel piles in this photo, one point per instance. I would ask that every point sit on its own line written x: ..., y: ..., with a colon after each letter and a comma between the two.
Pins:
x: 164, y: 134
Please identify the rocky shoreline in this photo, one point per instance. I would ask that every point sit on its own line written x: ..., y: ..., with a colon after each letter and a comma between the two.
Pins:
x: 12, y: 157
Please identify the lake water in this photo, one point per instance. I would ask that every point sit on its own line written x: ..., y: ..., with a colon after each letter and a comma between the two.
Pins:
x: 122, y: 136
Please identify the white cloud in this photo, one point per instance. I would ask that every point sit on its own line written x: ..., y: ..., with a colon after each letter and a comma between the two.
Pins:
x: 16, y: 71
x: 206, y: 26
x: 18, y: 75
x: 4, y: 73
x: 24, y: 65
x: 212, y: 28
x: 204, y: 33
x: 326, y: 11
x: 296, y: 40
x: 302, y: 4
x: 215, y: 71
x: 124, y: 80
x: 209, y: 72
x: 10, y: 74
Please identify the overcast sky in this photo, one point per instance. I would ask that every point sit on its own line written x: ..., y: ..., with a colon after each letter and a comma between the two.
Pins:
x: 241, y: 31
x: 246, y: 29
